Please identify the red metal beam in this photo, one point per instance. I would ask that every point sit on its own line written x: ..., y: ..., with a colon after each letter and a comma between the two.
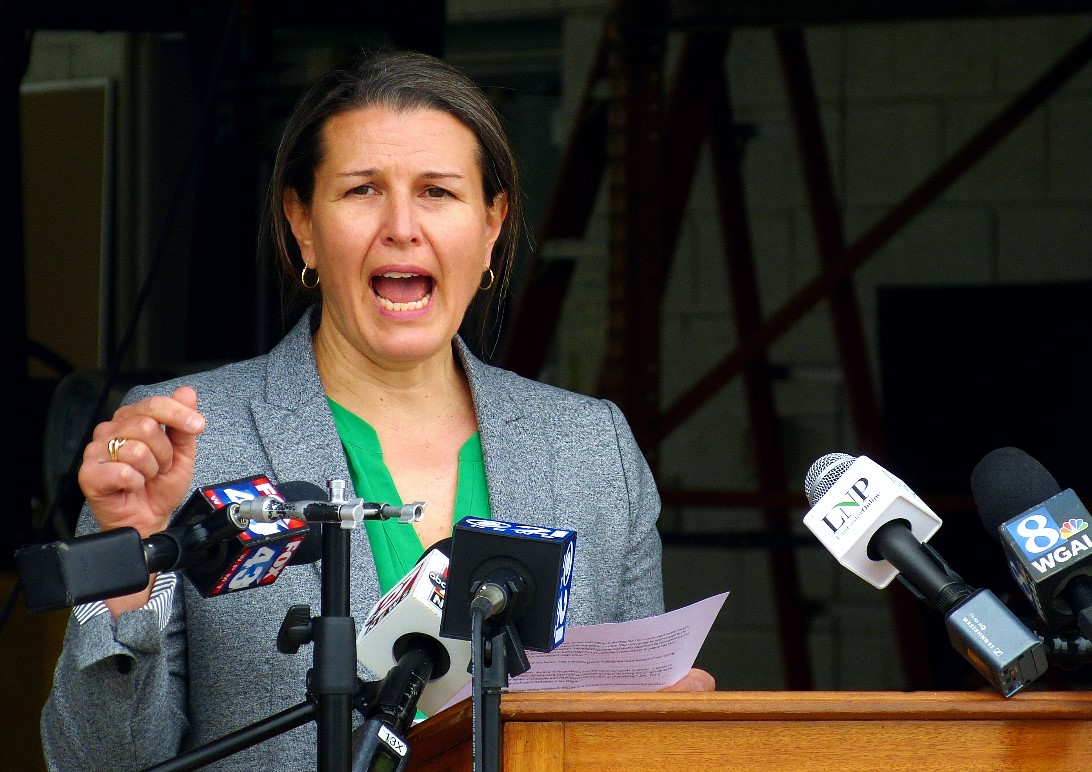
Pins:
x: 533, y: 320
x: 875, y: 237
x: 765, y: 426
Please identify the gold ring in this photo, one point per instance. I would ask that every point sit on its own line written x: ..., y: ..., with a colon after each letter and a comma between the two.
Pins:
x: 114, y: 445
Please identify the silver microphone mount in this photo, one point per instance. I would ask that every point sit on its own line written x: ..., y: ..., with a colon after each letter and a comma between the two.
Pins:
x: 348, y: 512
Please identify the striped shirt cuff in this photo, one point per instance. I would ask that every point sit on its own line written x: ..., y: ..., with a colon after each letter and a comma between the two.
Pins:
x: 159, y: 603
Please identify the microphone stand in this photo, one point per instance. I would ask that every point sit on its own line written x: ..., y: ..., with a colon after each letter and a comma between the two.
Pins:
x: 258, y: 732
x: 333, y: 687
x: 333, y: 678
x: 493, y: 660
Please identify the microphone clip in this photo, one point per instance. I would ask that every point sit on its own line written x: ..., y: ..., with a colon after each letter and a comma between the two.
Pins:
x: 502, y: 597
x: 950, y: 595
x: 504, y: 593
x: 337, y: 510
x: 503, y: 655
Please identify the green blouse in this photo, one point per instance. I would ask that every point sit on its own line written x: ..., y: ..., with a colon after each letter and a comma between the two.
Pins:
x: 395, y: 546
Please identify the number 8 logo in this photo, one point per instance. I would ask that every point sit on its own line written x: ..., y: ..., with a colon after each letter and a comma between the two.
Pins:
x: 1035, y: 528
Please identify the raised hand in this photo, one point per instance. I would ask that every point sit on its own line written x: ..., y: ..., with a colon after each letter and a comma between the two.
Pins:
x: 139, y: 465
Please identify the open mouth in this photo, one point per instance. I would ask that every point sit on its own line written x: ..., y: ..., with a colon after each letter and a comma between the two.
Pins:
x: 401, y: 291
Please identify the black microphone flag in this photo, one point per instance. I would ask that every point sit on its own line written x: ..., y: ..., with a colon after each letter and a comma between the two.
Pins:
x: 542, y: 557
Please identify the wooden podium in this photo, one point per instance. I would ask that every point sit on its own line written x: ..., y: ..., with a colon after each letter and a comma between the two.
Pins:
x: 770, y: 730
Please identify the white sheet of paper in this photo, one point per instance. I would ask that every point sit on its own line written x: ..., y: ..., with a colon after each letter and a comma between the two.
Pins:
x: 640, y: 655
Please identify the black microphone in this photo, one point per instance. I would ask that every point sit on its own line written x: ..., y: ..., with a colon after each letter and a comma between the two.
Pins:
x: 379, y: 744
x: 875, y: 525
x: 1044, y: 533
x: 516, y: 573
x: 508, y: 591
x: 218, y: 551
x: 253, y: 556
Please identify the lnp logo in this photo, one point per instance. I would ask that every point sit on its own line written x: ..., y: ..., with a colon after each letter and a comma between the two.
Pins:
x: 856, y: 500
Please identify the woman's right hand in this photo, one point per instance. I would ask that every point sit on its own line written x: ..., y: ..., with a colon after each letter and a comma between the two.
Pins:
x: 149, y: 474
x: 154, y: 465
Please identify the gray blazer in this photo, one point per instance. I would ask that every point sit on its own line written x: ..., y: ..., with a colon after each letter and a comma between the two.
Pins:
x: 127, y: 695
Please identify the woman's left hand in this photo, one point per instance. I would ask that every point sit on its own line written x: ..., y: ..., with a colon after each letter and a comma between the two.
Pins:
x: 694, y: 681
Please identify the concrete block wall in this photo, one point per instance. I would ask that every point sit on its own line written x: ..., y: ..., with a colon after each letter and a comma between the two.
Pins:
x: 896, y: 99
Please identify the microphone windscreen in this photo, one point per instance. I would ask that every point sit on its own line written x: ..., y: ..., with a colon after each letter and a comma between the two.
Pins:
x: 1006, y: 482
x: 96, y: 566
x: 824, y: 473
x: 301, y: 490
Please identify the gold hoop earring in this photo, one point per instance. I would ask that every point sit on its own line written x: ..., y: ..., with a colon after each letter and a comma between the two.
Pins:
x: 484, y: 285
x: 303, y: 278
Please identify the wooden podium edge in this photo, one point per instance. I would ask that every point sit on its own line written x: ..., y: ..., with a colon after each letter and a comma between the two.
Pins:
x: 441, y: 732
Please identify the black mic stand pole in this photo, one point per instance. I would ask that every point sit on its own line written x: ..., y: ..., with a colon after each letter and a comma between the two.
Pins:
x: 506, y: 657
x: 496, y: 653
x: 334, y: 679
x: 258, y: 732
x: 332, y: 682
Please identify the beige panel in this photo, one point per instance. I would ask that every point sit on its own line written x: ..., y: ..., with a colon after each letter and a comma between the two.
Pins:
x: 64, y: 136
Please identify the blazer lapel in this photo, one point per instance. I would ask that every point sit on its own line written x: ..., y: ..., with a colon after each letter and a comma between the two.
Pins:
x: 294, y: 421
x: 302, y: 443
x: 512, y: 449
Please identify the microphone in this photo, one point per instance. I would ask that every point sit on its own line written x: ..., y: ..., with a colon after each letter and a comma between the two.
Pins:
x: 858, y: 497
x: 408, y: 616
x: 424, y: 670
x: 508, y: 591
x: 1044, y: 532
x: 516, y: 573
x: 875, y: 525
x: 218, y: 551
x: 255, y: 553
x: 379, y: 743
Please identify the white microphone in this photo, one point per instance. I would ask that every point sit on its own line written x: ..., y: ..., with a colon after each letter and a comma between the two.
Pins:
x: 853, y: 498
x: 409, y: 612
x: 877, y: 527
